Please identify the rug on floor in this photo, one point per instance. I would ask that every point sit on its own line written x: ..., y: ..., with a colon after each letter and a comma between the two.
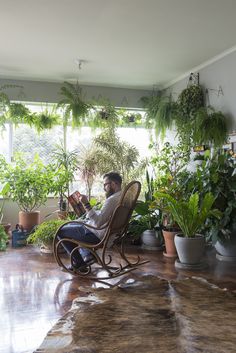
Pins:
x: 148, y: 315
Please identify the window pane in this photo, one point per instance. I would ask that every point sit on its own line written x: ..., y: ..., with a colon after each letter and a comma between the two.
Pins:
x: 28, y: 141
x: 4, y: 142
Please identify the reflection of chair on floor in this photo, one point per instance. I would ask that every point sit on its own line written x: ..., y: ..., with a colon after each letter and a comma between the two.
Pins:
x: 116, y: 229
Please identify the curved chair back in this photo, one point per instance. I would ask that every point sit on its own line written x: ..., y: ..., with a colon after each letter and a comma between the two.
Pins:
x: 119, y: 221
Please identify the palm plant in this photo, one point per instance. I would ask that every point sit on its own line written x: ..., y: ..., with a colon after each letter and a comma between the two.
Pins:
x: 65, y: 164
x: 115, y: 154
x: 87, y: 165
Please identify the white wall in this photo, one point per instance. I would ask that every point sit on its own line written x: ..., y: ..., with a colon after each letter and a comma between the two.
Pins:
x: 11, y: 210
x: 221, y: 73
x: 49, y: 92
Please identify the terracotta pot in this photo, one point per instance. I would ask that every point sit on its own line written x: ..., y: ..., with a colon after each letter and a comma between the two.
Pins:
x: 29, y: 219
x: 169, y: 243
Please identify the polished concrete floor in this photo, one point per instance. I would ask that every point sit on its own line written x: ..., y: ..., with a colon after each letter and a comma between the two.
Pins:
x: 35, y: 293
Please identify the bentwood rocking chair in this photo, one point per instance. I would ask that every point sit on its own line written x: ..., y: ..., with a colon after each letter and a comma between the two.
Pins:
x: 113, y: 240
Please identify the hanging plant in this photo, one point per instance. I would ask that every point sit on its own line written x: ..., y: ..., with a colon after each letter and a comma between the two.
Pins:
x: 160, y: 112
x: 105, y: 115
x: 73, y: 104
x: 190, y: 100
x: 211, y: 127
x: 165, y: 115
x: 132, y: 119
x: 44, y: 120
x: 17, y: 113
x: 151, y: 105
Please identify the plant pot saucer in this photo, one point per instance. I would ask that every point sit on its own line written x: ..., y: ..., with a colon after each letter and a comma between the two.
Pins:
x: 171, y: 256
x: 226, y: 258
x: 147, y: 247
x: 193, y: 267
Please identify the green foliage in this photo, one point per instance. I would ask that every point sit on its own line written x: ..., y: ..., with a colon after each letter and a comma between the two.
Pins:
x: 64, y: 164
x: 28, y: 185
x: 45, y: 232
x: 190, y: 100
x: 17, y: 113
x: 190, y: 215
x: 88, y: 158
x: 114, y: 154
x: 211, y: 128
x: 73, y: 104
x: 160, y: 112
x: 44, y: 120
x: 218, y: 176
x: 3, y: 239
x: 168, y: 163
x: 105, y: 115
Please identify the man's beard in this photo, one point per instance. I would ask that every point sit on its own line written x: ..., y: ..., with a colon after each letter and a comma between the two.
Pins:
x: 109, y: 193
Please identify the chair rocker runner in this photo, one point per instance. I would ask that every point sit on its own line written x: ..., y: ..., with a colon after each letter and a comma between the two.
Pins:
x: 116, y: 229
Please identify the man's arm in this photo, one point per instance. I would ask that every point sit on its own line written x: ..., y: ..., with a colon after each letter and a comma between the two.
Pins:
x: 102, y: 216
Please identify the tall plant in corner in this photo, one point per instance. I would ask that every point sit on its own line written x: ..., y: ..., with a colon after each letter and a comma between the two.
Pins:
x: 75, y: 108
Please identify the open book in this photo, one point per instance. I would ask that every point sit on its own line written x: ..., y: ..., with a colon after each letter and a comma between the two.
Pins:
x: 76, y: 204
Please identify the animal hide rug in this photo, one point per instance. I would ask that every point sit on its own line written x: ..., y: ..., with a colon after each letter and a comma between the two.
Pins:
x: 150, y: 315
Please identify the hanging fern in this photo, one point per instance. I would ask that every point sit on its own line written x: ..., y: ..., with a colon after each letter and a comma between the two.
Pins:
x: 17, y: 113
x: 211, y: 127
x: 73, y: 104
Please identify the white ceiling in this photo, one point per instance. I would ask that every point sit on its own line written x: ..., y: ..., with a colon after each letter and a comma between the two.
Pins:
x: 125, y: 43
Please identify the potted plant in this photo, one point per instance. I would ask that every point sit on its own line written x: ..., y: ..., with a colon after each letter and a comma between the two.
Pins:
x: 168, y: 163
x: 217, y: 175
x: 29, y: 186
x: 190, y: 216
x: 43, y: 234
x: 147, y: 225
x: 64, y: 164
x: 73, y: 104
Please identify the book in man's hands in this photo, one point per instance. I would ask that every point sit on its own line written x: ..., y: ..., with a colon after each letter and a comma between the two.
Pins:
x: 76, y: 204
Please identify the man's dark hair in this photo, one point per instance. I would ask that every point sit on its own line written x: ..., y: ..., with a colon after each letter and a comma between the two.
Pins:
x: 113, y: 176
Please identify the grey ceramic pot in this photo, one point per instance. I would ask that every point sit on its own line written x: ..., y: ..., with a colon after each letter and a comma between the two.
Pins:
x: 190, y: 250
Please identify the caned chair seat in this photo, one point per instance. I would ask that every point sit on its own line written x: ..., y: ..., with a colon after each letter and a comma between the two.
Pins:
x: 113, y: 240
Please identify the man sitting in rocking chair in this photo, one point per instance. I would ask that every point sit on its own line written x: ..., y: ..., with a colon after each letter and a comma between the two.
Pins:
x: 112, y: 187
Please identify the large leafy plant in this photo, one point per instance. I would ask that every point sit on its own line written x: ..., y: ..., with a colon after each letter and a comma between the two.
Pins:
x: 190, y: 215
x: 44, y: 233
x: 218, y: 176
x: 27, y: 184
